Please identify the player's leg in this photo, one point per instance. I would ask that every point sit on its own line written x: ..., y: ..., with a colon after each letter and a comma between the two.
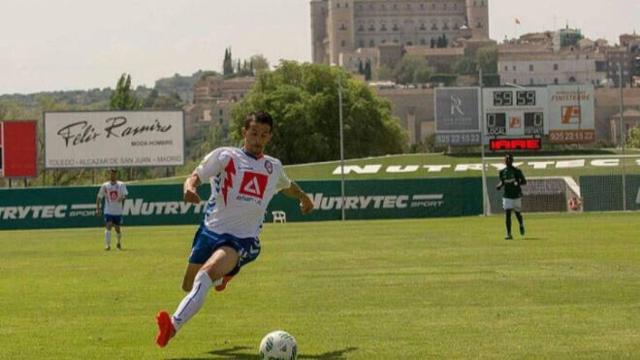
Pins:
x: 517, y: 208
x: 116, y: 226
x: 107, y: 233
x: 190, y: 275
x: 223, y: 261
x: 507, y: 220
x: 507, y: 205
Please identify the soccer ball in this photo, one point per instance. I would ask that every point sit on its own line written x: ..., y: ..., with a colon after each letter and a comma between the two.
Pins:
x: 278, y: 345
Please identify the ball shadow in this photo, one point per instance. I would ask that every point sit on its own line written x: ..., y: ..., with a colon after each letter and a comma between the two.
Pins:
x: 248, y: 353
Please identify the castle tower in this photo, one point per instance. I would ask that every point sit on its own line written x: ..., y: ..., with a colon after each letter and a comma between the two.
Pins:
x: 478, y: 18
x: 319, y: 54
x: 340, y: 30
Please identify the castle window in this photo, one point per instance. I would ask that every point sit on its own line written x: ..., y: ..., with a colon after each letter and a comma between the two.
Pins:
x: 343, y: 27
x: 395, y: 27
x: 360, y: 27
x: 479, y: 25
x: 395, y: 6
x: 395, y: 41
x: 372, y: 27
x: 343, y: 43
x: 338, y: 5
x: 383, y: 27
x: 445, y: 27
x: 434, y: 26
x: 372, y: 43
x: 530, y: 67
x: 423, y: 41
x: 361, y: 43
x: 555, y: 67
x: 506, y: 68
x: 422, y: 27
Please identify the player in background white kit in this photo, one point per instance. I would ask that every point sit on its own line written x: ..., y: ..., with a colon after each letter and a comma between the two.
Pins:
x: 114, y: 192
x: 243, y: 181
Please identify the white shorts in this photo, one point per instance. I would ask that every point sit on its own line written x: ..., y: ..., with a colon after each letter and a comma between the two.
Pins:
x: 512, y: 204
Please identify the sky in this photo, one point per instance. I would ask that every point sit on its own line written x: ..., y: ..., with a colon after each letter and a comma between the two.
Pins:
x: 85, y: 44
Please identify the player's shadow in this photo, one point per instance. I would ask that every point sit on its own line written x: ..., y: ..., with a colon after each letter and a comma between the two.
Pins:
x: 247, y: 353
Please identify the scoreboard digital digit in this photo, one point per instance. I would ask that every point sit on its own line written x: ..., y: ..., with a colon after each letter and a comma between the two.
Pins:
x: 512, y: 111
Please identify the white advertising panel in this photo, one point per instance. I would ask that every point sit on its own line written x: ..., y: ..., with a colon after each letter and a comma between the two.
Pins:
x: 571, y: 114
x: 515, y: 112
x: 99, y: 139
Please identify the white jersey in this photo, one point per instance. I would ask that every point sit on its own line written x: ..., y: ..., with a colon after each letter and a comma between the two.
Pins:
x: 114, y: 194
x: 241, y: 188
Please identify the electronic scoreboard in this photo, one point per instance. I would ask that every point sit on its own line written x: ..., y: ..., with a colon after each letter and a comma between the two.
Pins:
x: 513, y: 111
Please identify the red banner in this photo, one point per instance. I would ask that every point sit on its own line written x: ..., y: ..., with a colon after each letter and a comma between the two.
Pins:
x: 18, y: 148
x: 515, y: 144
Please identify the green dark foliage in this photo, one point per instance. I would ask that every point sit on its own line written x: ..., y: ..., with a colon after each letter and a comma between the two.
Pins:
x: 123, y: 98
x: 303, y: 99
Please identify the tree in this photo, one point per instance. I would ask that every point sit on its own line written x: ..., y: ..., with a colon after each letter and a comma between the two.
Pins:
x: 466, y: 65
x: 227, y: 64
x: 123, y: 97
x: 151, y: 99
x: 384, y: 73
x: 442, y: 42
x: 260, y: 63
x: 487, y: 59
x: 412, y: 69
x: 633, y: 139
x: 367, y: 71
x: 303, y: 99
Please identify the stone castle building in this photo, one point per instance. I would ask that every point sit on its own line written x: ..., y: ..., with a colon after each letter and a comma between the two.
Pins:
x: 343, y: 26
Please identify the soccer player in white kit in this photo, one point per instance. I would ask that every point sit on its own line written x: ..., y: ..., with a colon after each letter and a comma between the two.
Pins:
x: 243, y: 181
x: 114, y: 192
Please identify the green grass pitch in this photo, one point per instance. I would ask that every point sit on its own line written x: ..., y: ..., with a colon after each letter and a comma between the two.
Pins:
x: 410, y: 289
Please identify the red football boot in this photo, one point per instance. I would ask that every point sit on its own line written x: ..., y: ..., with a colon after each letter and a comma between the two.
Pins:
x: 165, y: 328
x: 225, y: 280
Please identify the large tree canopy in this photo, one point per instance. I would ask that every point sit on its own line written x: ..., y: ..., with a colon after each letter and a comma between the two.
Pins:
x: 303, y: 99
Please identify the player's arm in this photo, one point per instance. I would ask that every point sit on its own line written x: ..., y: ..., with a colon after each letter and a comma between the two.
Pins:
x: 294, y: 191
x: 500, y: 182
x: 522, y: 180
x: 190, y: 192
x: 99, y: 202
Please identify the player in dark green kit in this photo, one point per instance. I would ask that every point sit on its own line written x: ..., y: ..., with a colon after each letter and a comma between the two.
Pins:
x: 512, y: 178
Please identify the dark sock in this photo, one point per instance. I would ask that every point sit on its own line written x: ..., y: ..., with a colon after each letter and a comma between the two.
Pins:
x: 520, y: 219
x: 507, y: 219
